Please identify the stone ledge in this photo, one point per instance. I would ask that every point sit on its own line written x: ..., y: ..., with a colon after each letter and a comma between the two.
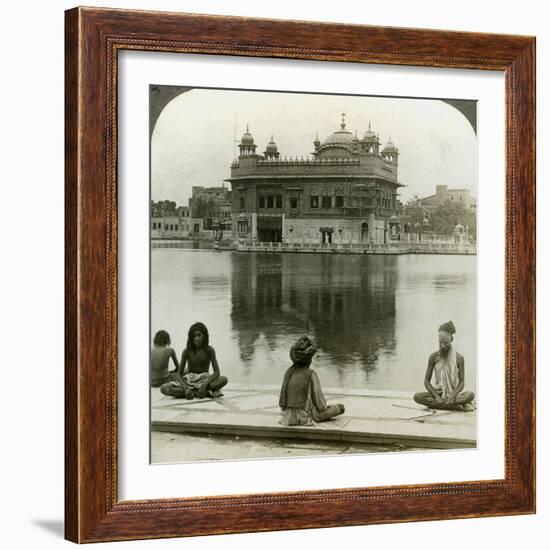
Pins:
x: 387, y: 418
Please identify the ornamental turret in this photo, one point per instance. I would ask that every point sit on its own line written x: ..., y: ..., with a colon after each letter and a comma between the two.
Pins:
x: 271, y: 151
x: 390, y: 152
x: 370, y: 142
x: 247, y: 146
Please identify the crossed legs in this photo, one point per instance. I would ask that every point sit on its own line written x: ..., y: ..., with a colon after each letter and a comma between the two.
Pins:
x: 330, y: 412
x: 175, y: 389
x: 218, y: 383
x: 426, y: 399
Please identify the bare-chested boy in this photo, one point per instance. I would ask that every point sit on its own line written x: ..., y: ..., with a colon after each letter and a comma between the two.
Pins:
x: 193, y: 376
x: 160, y: 359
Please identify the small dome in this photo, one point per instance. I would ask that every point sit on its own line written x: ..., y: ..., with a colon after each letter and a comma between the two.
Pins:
x: 389, y: 147
x: 271, y: 147
x: 370, y: 135
x: 247, y: 138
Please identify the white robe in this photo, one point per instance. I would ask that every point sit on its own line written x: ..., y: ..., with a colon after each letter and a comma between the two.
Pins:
x: 446, y: 374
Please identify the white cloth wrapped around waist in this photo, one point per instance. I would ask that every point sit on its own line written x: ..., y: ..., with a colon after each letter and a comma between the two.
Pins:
x: 195, y: 380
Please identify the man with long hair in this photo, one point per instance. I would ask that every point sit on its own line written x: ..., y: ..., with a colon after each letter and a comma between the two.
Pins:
x: 194, y: 379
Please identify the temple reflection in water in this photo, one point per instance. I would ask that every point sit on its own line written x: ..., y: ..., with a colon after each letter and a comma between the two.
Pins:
x: 346, y: 303
x: 374, y: 318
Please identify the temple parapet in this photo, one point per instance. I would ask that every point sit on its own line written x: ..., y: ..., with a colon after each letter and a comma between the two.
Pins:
x: 314, y: 167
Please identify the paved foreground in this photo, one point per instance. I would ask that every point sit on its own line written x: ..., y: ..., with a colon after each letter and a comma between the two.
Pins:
x: 168, y: 448
x: 371, y: 417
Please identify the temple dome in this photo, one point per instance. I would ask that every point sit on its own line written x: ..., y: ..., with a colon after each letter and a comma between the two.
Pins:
x: 247, y: 138
x: 342, y: 137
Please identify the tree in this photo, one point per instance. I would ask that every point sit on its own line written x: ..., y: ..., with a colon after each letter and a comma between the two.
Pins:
x: 166, y: 206
x: 448, y: 214
x: 414, y: 214
x: 202, y: 208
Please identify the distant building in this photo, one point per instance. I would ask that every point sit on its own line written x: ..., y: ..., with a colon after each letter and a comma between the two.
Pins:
x: 345, y: 193
x: 196, y: 227
x: 166, y: 227
x: 162, y: 207
x: 169, y: 221
x: 184, y: 211
x: 217, y: 194
x: 443, y: 194
x: 208, y: 200
x: 213, y: 204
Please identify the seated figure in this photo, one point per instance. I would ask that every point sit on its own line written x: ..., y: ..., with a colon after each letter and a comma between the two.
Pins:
x: 447, y: 367
x: 161, y: 354
x: 301, y: 400
x: 193, y: 379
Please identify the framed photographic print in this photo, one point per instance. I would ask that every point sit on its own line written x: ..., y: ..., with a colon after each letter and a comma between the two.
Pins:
x: 300, y: 274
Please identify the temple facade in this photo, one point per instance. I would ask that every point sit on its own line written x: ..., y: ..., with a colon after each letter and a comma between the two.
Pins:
x: 345, y: 191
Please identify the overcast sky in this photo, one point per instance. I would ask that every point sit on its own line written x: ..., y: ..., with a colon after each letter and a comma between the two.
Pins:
x: 193, y: 139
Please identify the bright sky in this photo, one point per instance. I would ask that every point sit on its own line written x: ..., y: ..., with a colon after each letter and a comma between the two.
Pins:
x: 193, y: 139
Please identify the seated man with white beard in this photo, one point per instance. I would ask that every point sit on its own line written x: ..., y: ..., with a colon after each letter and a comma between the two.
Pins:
x: 448, y: 367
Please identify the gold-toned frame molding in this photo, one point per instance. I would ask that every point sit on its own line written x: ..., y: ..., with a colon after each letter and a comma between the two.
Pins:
x: 93, y: 39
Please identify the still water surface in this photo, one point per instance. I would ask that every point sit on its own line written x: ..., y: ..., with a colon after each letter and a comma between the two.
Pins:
x: 374, y: 318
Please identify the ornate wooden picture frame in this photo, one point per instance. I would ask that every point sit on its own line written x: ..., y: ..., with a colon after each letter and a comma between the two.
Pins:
x: 94, y: 37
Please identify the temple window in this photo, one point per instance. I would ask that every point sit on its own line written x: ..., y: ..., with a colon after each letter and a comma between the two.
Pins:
x: 326, y: 202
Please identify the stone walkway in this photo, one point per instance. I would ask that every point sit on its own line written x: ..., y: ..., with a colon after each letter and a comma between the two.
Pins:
x: 388, y: 418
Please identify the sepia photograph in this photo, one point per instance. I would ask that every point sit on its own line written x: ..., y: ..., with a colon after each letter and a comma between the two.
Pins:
x: 313, y: 274
x: 299, y: 277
